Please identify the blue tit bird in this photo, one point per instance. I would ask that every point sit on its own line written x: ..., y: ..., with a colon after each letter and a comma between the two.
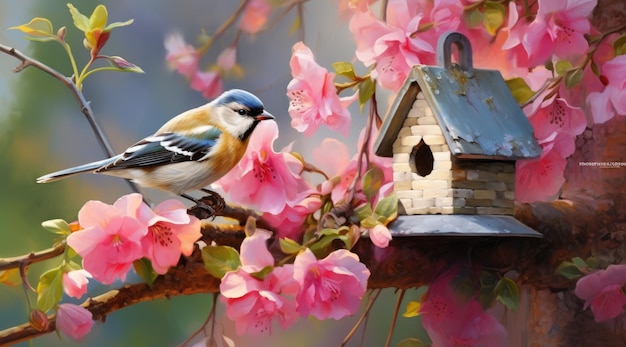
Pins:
x: 190, y: 151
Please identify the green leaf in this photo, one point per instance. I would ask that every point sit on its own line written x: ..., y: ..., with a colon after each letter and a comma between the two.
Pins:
x: 493, y: 16
x: 10, y: 277
x: 592, y: 262
x: 412, y: 309
x: 320, y: 247
x: 118, y: 24
x: 330, y: 231
x: 619, y: 45
x: 122, y: 64
x: 289, y: 246
x: 562, y: 66
x: 80, y: 20
x: 344, y: 68
x: 366, y: 91
x: 369, y: 222
x: 144, y: 269
x: 372, y: 181
x: 573, y: 78
x: 569, y: 270
x: 49, y: 289
x: 218, y: 260
x: 363, y: 211
x: 40, y: 29
x: 488, y: 282
x: 411, y: 342
x: 387, y: 209
x: 519, y: 89
x: 57, y: 226
x: 580, y: 262
x: 594, y: 68
x: 473, y: 18
x: 507, y: 293
x: 260, y: 275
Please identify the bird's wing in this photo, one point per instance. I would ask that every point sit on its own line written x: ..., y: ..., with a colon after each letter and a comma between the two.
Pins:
x: 166, y: 148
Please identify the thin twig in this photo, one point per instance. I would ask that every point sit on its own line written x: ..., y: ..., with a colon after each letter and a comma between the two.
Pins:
x: 209, y: 319
x: 35, y: 257
x: 363, y: 151
x: 383, y: 10
x: 370, y: 303
x: 395, y: 317
x: 222, y: 29
x: 78, y: 95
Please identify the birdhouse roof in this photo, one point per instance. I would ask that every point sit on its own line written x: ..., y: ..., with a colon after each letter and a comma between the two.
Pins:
x: 474, y: 108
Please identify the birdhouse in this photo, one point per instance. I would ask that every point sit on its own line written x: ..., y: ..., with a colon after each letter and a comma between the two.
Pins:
x: 454, y: 133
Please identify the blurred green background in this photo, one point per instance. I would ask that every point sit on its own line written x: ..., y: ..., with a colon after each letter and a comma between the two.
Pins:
x: 42, y: 129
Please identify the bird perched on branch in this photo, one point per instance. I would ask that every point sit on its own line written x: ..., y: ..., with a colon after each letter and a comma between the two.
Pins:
x: 190, y: 151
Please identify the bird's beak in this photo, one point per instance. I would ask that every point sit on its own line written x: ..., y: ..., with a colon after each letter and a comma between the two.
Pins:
x: 265, y: 115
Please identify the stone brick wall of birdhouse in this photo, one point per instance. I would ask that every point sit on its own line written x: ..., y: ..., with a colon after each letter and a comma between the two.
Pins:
x: 429, y: 180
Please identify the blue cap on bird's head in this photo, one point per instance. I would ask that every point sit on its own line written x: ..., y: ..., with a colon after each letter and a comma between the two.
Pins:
x: 251, y: 101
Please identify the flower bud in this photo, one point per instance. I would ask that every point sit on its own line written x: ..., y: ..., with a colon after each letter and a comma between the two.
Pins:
x: 38, y: 320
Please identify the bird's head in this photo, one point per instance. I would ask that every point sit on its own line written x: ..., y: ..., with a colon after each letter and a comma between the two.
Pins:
x: 238, y: 112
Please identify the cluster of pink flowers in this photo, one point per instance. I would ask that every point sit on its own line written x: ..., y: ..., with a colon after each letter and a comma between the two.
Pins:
x: 114, y: 236
x: 313, y: 96
x: 603, y: 291
x: 292, y: 199
x: 324, y: 288
x: 185, y: 58
x: 452, y: 320
x: 546, y: 32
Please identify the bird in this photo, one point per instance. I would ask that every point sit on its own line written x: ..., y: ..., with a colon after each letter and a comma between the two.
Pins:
x: 190, y: 151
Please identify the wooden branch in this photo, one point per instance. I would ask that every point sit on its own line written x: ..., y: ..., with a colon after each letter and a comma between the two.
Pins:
x: 186, y: 279
x: 34, y: 257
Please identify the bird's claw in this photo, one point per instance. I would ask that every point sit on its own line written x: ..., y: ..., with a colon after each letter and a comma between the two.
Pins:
x: 208, y: 206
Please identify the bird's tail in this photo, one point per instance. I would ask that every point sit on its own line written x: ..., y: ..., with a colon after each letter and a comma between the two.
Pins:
x: 89, y: 167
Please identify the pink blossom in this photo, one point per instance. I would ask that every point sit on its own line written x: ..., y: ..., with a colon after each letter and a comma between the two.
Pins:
x: 75, y: 282
x: 181, y: 56
x: 514, y: 31
x: 540, y: 179
x: 253, y: 303
x: 255, y: 16
x: 209, y: 83
x: 228, y: 58
x: 254, y: 253
x: 290, y: 222
x: 612, y: 100
x: 74, y: 321
x: 451, y: 320
x: 446, y: 15
x: 559, y: 29
x: 265, y: 179
x: 110, y: 239
x: 331, y: 287
x: 171, y: 231
x: 556, y: 114
x: 342, y: 171
x: 380, y: 236
x: 602, y: 290
x: 394, y: 46
x: 313, y: 97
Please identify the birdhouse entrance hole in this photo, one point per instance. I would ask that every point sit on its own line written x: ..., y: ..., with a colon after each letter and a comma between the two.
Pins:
x: 421, y: 159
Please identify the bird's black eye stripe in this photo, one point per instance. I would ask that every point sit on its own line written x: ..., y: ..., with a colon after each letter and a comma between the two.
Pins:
x: 242, y: 112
